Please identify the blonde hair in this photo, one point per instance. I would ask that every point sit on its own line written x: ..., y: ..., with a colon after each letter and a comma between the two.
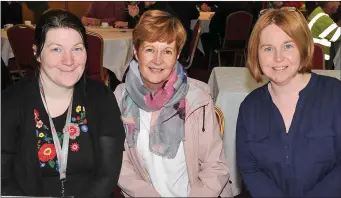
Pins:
x: 293, y: 23
x: 156, y: 25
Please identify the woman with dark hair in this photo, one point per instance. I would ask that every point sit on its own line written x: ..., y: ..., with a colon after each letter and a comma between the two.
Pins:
x: 62, y: 134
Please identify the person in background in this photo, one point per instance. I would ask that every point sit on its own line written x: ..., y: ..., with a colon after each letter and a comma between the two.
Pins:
x: 324, y: 29
x: 11, y: 13
x: 6, y: 80
x: 186, y: 12
x: 135, y: 11
x: 280, y: 4
x: 62, y: 134
x: 38, y: 8
x: 213, y: 39
x: 169, y: 120
x: 289, y: 130
x: 208, y: 6
x: 105, y: 11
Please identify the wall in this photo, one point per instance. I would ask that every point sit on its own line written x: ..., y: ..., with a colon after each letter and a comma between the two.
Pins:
x: 79, y: 8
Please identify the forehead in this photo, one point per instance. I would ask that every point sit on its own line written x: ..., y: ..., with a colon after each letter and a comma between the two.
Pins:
x: 159, y: 44
x: 273, y: 34
x: 63, y: 35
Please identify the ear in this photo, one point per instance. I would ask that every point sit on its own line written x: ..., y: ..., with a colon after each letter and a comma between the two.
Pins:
x: 135, y: 53
x: 34, y: 47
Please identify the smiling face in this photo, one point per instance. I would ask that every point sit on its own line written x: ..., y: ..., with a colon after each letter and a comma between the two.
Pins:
x: 63, y: 57
x: 279, y: 56
x: 156, y: 62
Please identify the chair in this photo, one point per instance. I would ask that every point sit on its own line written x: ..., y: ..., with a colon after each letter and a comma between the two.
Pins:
x: 94, y: 63
x: 194, y: 44
x: 237, y: 31
x: 318, y: 58
x: 21, y: 39
x: 221, y: 120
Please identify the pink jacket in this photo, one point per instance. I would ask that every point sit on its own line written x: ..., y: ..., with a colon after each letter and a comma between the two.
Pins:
x: 206, y: 166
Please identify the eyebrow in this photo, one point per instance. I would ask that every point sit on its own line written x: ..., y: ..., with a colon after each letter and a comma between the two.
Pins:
x: 288, y: 41
x: 61, y: 45
x: 154, y: 47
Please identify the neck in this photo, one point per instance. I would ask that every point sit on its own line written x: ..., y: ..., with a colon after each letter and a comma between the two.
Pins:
x: 326, y: 10
x: 152, y: 87
x: 293, y: 86
x: 52, y: 90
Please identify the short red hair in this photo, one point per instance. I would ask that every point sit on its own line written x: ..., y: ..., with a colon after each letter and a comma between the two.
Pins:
x: 159, y: 26
x: 293, y: 23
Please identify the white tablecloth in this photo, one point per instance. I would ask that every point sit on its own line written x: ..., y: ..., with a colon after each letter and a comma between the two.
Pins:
x: 117, y: 50
x: 6, y: 50
x: 229, y: 86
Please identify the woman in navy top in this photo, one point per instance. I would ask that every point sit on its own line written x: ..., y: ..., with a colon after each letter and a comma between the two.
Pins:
x: 289, y: 130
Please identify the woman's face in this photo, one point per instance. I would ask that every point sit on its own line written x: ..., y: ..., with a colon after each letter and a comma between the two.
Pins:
x: 278, y: 55
x: 63, y: 56
x: 156, y: 62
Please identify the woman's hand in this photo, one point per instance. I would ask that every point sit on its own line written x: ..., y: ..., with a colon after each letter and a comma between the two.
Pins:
x: 119, y: 24
x: 90, y: 21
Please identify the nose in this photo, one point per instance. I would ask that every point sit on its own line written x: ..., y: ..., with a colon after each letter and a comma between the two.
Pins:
x: 279, y: 56
x: 158, y: 60
x: 68, y: 59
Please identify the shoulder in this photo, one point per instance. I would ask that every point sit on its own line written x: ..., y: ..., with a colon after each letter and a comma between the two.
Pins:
x: 19, y: 91
x: 328, y: 86
x: 97, y: 89
x: 198, y: 92
x: 254, y: 98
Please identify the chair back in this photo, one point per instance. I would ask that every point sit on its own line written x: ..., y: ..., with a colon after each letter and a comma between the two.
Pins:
x: 94, y: 62
x: 237, y: 29
x: 21, y: 39
x: 318, y: 57
x: 194, y: 43
x: 221, y: 120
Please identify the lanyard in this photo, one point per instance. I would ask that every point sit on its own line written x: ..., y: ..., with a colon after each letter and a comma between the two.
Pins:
x: 62, y: 152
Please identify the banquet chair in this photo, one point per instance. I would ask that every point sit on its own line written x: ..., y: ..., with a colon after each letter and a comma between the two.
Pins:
x: 221, y: 120
x: 318, y: 58
x: 21, y: 39
x: 94, y: 63
x: 237, y: 31
x: 194, y: 44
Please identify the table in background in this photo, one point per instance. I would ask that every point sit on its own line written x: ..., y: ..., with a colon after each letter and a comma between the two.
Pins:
x: 117, y: 49
x: 229, y: 87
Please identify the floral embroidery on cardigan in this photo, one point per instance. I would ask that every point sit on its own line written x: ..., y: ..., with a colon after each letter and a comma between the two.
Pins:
x: 46, y: 150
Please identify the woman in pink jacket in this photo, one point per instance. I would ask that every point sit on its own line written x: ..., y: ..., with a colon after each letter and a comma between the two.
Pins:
x: 173, y: 147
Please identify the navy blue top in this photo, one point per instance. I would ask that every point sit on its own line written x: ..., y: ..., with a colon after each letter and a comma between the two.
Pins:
x: 306, y: 161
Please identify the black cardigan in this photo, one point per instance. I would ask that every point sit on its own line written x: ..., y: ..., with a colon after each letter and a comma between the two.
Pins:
x: 21, y: 174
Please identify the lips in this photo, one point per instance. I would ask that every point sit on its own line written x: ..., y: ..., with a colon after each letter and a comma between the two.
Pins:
x: 155, y: 70
x: 281, y: 68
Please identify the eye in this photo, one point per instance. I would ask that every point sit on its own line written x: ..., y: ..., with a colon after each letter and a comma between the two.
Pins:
x: 268, y: 49
x: 168, y: 52
x: 149, y: 50
x: 288, y: 46
x: 78, y: 49
x: 57, y: 49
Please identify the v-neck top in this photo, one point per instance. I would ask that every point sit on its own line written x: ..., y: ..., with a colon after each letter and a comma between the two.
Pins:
x: 306, y: 161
